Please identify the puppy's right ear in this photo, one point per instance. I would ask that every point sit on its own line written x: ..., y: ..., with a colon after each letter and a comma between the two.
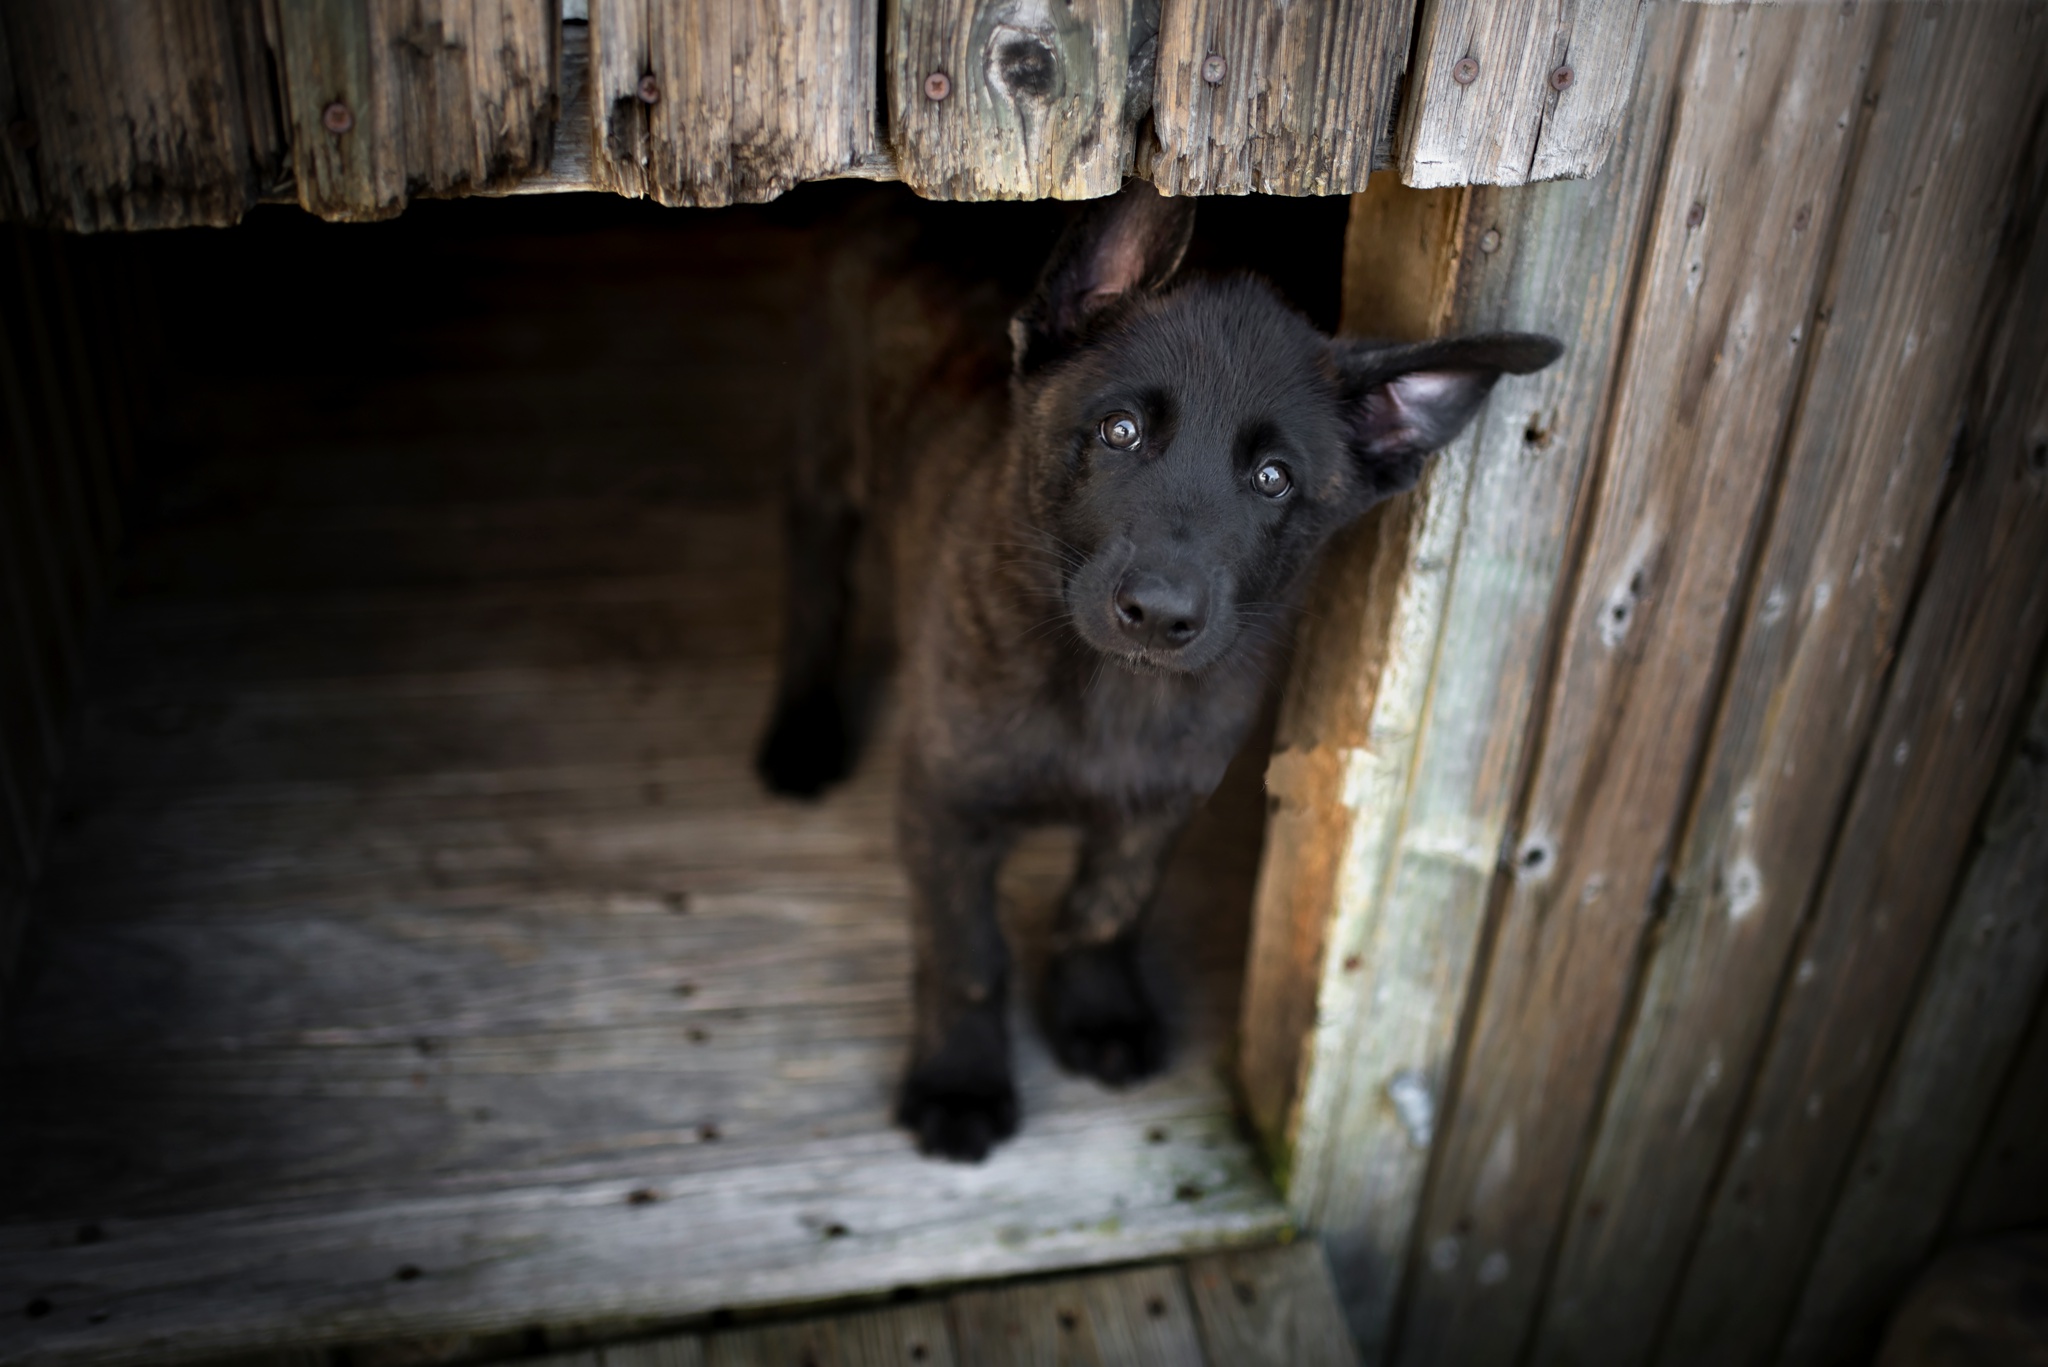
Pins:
x: 1120, y: 247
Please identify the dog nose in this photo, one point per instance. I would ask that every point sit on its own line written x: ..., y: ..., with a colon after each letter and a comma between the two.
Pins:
x: 1159, y: 612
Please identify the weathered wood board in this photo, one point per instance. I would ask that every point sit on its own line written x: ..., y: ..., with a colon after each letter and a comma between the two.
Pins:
x: 996, y: 99
x: 1961, y: 669
x: 158, y: 117
x: 704, y: 102
x: 1834, y: 576
x: 387, y: 100
x: 1259, y: 96
x: 1430, y: 757
x: 1690, y: 454
x: 1274, y: 1305
x: 1509, y: 93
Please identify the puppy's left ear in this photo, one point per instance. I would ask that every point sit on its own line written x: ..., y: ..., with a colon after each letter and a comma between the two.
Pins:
x: 1402, y: 402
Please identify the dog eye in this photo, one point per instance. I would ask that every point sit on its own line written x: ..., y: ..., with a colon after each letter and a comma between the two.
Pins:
x: 1272, y: 479
x: 1119, y: 430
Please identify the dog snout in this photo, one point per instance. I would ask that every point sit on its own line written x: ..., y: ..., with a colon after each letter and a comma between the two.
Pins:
x: 1160, y: 612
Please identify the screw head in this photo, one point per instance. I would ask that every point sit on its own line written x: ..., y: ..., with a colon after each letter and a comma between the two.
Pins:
x: 937, y: 86
x: 1466, y: 71
x: 337, y: 118
x: 1489, y: 241
x: 1697, y: 214
x: 649, y: 89
x: 1214, y: 68
x: 1562, y: 78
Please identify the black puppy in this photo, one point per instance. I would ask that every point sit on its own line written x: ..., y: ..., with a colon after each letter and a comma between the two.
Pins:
x: 1089, y: 581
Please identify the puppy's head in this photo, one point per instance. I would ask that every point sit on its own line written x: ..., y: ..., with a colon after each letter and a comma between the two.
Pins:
x: 1192, y: 446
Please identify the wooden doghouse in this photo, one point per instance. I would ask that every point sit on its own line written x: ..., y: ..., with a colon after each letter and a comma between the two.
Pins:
x: 1643, y: 958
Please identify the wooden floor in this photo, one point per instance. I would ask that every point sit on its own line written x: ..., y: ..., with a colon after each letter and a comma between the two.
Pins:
x: 1263, y: 1308
x: 419, y: 958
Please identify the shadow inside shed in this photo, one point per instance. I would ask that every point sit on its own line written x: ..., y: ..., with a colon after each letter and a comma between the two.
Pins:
x: 417, y: 954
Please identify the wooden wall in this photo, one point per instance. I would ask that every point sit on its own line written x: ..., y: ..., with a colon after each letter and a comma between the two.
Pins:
x: 158, y: 113
x: 1653, y: 915
x: 71, y: 347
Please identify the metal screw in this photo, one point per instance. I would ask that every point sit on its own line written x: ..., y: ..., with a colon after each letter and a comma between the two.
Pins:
x: 1697, y: 214
x: 1489, y: 241
x: 938, y: 86
x: 649, y: 90
x: 23, y: 133
x: 337, y: 119
x: 1214, y: 68
x: 1466, y: 71
x: 1561, y: 78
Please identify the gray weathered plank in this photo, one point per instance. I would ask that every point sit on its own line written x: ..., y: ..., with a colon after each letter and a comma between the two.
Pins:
x: 1706, y: 388
x: 1507, y: 93
x: 995, y: 99
x: 1275, y: 1305
x: 1834, y: 576
x: 1970, y: 1019
x: 1259, y: 96
x: 389, y: 100
x: 706, y: 102
x: 1916, y: 259
x: 1434, y: 765
x: 906, y: 1336
x: 138, y: 115
x: 1989, y: 967
x: 1140, y: 1318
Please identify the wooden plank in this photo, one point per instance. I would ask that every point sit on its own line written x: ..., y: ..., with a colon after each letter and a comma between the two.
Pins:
x: 574, y: 1251
x: 21, y: 198
x: 1508, y: 93
x: 1139, y: 1318
x: 1955, y: 689
x: 1986, y: 975
x: 1275, y: 1305
x: 1834, y: 578
x: 1689, y: 456
x: 1398, y: 882
x: 1258, y: 96
x: 993, y: 99
x: 679, y: 1351
x: 393, y: 99
x: 706, y: 102
x: 140, y: 115
x: 906, y: 1336
x: 2007, y: 1187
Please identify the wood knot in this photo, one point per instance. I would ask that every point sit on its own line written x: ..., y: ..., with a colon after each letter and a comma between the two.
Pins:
x: 1027, y: 67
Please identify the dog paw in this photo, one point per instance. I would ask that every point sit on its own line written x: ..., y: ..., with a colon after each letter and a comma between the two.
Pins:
x: 1099, y: 1018
x: 957, y: 1119
x: 807, y: 748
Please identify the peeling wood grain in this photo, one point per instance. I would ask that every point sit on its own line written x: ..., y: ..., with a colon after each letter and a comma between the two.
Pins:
x: 1259, y: 96
x: 706, y: 102
x: 145, y: 115
x: 1504, y: 93
x: 397, y: 98
x: 1915, y: 269
x: 1443, y: 735
x: 1274, y: 1305
x: 1706, y: 390
x: 1017, y: 99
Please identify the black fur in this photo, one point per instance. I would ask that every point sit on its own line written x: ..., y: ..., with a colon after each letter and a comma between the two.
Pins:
x: 1090, y: 578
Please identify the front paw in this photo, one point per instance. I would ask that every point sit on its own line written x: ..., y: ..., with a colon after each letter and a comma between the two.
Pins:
x: 956, y: 1113
x: 1099, y: 1017
x: 808, y: 747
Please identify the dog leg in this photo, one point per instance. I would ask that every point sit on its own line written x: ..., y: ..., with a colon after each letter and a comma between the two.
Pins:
x: 1098, y: 1015
x: 957, y: 1097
